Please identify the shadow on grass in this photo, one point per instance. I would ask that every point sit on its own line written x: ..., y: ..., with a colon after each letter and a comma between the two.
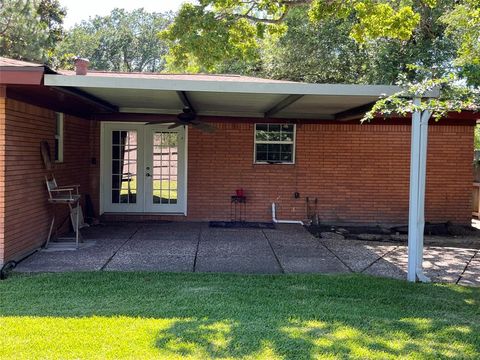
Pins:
x: 301, y: 317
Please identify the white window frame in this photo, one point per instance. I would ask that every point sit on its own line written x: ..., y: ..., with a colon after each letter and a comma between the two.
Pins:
x: 59, y: 120
x: 293, y: 143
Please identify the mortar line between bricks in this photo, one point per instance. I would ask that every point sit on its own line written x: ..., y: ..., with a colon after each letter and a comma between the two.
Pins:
x: 467, y: 265
x: 273, y: 251
x: 116, y: 251
x: 338, y: 258
x: 196, y: 250
x: 380, y: 258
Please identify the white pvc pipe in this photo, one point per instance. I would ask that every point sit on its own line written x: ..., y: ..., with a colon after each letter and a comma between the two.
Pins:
x: 276, y: 221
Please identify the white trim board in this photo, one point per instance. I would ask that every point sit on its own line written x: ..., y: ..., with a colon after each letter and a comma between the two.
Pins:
x: 248, y: 87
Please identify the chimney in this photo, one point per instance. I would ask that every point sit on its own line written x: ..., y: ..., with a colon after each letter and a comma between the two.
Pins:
x: 81, y: 66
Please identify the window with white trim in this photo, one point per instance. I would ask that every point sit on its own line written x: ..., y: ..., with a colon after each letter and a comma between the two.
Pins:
x: 274, y: 143
x: 59, y: 137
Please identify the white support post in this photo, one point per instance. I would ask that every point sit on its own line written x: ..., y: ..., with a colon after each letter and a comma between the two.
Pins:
x: 413, y: 198
x: 416, y: 215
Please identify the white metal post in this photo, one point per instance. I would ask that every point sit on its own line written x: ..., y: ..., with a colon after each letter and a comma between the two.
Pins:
x: 422, y: 176
x: 413, y: 197
x: 416, y: 215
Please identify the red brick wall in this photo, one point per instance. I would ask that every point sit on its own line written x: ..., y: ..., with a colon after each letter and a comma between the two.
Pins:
x: 359, y: 173
x: 27, y: 212
x: 2, y: 170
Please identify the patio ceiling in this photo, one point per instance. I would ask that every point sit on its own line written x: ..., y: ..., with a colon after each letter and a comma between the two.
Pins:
x: 224, y: 95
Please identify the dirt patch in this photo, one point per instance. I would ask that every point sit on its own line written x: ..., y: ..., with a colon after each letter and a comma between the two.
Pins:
x: 449, y: 232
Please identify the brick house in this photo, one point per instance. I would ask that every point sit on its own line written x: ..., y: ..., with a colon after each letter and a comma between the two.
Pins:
x: 279, y: 141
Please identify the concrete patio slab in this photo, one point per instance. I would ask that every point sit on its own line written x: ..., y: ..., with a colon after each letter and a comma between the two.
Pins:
x: 471, y: 276
x: 110, y: 231
x: 90, y: 258
x: 169, y: 231
x: 299, y: 252
x: 235, y: 250
x: 234, y: 263
x: 150, y: 262
x: 186, y: 247
x: 441, y: 264
x: 358, y: 255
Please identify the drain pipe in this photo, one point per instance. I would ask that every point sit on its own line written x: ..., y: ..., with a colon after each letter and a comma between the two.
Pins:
x: 276, y: 221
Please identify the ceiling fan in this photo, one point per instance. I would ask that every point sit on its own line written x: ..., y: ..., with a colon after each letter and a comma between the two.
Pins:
x: 188, y: 117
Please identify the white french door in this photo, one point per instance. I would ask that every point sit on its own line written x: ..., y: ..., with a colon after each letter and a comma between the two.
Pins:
x: 143, y: 168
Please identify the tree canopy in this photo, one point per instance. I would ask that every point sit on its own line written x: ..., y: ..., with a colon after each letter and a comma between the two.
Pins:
x: 275, y: 35
x: 325, y: 52
x: 120, y: 41
x: 30, y: 29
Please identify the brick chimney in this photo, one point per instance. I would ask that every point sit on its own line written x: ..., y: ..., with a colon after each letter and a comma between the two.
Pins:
x: 81, y: 66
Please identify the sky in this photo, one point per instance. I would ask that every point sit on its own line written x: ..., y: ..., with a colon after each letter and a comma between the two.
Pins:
x: 78, y: 10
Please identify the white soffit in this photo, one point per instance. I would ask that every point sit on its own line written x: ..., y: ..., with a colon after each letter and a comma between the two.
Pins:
x: 227, y: 98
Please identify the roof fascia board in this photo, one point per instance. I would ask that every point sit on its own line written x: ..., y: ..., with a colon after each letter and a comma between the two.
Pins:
x: 14, y: 75
x: 220, y: 86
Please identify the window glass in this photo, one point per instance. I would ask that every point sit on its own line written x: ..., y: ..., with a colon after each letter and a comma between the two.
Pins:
x: 59, y: 137
x: 274, y: 143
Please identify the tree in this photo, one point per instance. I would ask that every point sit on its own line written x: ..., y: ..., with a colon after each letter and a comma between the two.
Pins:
x: 440, y: 34
x: 121, y: 41
x: 206, y: 34
x: 464, y: 24
x: 29, y: 29
x: 325, y: 52
x: 314, y: 52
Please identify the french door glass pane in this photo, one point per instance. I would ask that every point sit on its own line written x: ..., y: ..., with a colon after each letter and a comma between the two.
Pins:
x: 165, y: 167
x: 124, y: 166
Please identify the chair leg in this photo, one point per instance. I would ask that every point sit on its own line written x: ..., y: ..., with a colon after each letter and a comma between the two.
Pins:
x: 76, y: 223
x: 50, y: 231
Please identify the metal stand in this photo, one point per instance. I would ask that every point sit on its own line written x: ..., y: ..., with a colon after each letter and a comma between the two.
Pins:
x: 75, y: 224
x: 238, y: 208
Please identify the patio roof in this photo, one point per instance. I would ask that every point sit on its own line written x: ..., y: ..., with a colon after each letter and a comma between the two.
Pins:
x: 222, y: 95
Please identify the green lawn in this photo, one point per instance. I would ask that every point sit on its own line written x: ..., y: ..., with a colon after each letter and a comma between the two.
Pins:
x: 110, y: 315
x: 168, y: 188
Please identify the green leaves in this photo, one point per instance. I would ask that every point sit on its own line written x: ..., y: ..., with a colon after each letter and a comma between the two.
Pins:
x: 200, y: 39
x: 206, y: 35
x: 121, y: 41
x: 377, y: 20
x: 29, y: 29
x: 453, y: 96
x: 463, y: 23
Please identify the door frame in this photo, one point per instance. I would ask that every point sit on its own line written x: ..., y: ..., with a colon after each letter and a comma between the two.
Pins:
x: 103, y: 168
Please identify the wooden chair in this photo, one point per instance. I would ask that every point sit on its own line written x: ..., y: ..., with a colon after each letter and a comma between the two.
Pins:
x: 66, y: 195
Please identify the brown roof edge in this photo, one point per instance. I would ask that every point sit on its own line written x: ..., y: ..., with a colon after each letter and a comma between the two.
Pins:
x: 18, y: 72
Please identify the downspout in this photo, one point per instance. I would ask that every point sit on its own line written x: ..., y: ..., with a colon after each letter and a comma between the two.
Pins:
x: 276, y: 221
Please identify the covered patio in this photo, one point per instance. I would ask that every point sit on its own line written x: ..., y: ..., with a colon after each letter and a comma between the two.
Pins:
x: 196, y: 247
x: 163, y: 147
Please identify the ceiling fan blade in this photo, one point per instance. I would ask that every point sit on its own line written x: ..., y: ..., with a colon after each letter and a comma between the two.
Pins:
x: 203, y: 126
x: 161, y: 121
x: 176, y: 125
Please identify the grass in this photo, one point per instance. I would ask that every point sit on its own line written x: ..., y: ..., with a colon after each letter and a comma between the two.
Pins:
x: 111, y: 315
x: 165, y: 192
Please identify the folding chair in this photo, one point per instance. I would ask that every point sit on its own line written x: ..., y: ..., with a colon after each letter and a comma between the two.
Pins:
x: 67, y: 195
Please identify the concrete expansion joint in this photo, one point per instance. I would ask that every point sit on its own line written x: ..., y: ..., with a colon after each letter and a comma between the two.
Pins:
x: 467, y: 265
x: 118, y: 249
x: 379, y: 258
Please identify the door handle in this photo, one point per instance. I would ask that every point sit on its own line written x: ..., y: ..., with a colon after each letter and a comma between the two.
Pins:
x: 147, y: 174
